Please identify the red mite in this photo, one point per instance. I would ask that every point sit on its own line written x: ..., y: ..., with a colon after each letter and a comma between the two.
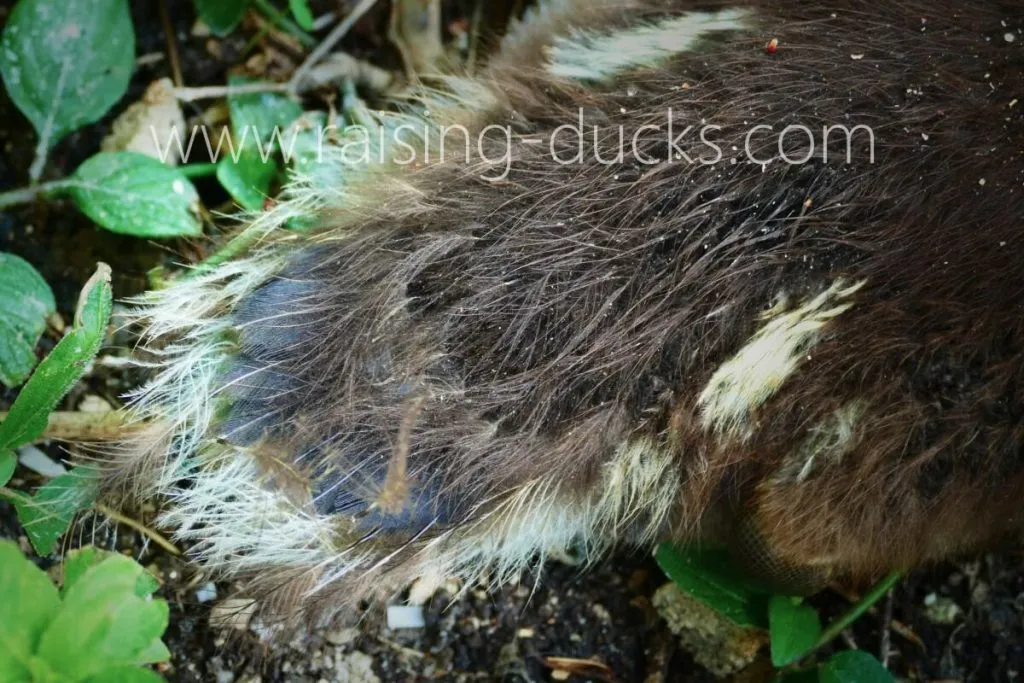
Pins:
x: 773, y: 45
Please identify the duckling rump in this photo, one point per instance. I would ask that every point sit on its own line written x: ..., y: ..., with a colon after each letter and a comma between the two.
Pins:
x: 674, y: 284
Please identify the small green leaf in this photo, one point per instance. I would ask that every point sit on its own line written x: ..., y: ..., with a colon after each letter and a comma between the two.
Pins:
x: 125, y: 674
x: 794, y: 629
x: 49, y: 513
x: 66, y: 64
x: 709, y: 576
x: 854, y: 666
x: 248, y: 179
x: 28, y: 601
x: 259, y: 120
x: 307, y: 137
x: 65, y: 365
x: 147, y: 585
x: 8, y: 461
x: 78, y: 562
x: 303, y: 16
x: 154, y: 653
x: 222, y: 16
x: 102, y: 623
x: 133, y: 194
x: 25, y: 303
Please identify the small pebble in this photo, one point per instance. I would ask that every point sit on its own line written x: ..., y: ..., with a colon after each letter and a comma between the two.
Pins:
x: 234, y: 613
x: 941, y: 610
x: 206, y: 593
x: 341, y: 636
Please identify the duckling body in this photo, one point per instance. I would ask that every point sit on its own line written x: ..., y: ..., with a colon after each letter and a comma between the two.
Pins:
x: 472, y: 362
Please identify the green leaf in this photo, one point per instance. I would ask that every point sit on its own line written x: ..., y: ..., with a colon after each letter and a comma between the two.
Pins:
x: 259, y: 122
x: 709, y: 576
x: 102, y: 623
x: 303, y: 16
x: 307, y: 136
x: 49, y: 513
x: 854, y: 666
x: 154, y: 653
x: 222, y: 16
x: 78, y: 562
x: 133, y: 194
x: 25, y: 303
x: 28, y: 602
x: 42, y: 672
x: 147, y: 585
x: 794, y: 629
x: 65, y: 365
x: 8, y: 461
x: 248, y: 179
x: 256, y: 116
x: 125, y: 674
x: 66, y: 64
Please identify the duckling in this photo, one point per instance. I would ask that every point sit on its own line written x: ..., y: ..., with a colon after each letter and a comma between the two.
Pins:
x: 744, y: 271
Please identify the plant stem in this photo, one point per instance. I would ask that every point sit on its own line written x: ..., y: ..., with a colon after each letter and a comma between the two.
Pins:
x: 198, y: 170
x: 14, y: 496
x: 283, y: 22
x: 155, y: 536
x: 27, y: 195
x: 877, y: 592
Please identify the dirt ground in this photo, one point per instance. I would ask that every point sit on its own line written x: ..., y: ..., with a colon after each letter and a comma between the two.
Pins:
x: 961, y: 622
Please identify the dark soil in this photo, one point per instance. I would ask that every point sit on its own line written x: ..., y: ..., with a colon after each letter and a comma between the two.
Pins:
x: 506, y: 635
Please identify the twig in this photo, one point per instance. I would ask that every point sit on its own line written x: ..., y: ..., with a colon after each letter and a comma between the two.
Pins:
x: 283, y: 22
x: 340, y: 67
x: 399, y: 648
x: 155, y: 536
x: 883, y: 654
x: 211, y: 92
x: 896, y: 625
x: 323, y: 21
x: 172, y: 44
x: 76, y: 426
x: 332, y: 39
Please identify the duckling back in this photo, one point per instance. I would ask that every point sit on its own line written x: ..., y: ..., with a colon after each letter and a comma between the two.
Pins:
x: 660, y: 282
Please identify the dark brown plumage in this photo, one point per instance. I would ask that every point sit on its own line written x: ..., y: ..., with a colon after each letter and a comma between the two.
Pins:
x: 454, y: 374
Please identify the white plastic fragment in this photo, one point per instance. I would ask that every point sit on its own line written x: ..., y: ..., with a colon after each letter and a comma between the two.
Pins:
x: 405, y: 616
